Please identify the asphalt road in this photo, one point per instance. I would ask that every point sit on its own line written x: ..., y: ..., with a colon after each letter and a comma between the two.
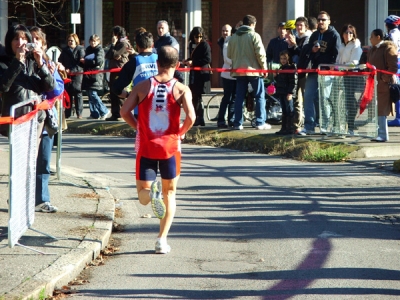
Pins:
x: 248, y: 226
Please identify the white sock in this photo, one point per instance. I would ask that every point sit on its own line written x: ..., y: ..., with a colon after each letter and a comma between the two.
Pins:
x: 162, y: 240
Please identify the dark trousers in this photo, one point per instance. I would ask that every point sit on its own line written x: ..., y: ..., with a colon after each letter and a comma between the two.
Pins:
x: 76, y: 100
x: 228, y: 102
x: 116, y: 102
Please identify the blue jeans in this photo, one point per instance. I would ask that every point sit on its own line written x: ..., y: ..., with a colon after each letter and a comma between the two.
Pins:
x: 96, y: 106
x: 311, y: 102
x: 383, y: 128
x: 43, y: 170
x: 257, y: 84
x: 228, y: 101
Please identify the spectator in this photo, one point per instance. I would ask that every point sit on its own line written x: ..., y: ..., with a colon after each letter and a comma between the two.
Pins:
x: 392, y: 24
x: 229, y: 86
x: 323, y: 49
x: 276, y: 46
x: 246, y: 51
x: 70, y: 58
x: 199, y: 81
x: 141, y: 67
x: 94, y: 61
x: 312, y: 24
x: 26, y: 73
x: 42, y: 194
x: 118, y: 56
x: 226, y: 31
x: 164, y: 37
x: 286, y: 86
x: 238, y: 24
x: 158, y: 138
x: 383, y: 55
x: 349, y: 54
x: 296, y: 44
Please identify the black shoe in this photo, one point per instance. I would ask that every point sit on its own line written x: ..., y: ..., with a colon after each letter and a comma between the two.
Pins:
x: 113, y: 118
x: 222, y: 126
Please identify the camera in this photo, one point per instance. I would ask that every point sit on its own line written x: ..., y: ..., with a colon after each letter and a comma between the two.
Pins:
x: 30, y: 46
x: 317, y: 44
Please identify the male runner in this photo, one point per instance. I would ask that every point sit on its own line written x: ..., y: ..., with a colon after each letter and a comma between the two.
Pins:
x: 159, y: 133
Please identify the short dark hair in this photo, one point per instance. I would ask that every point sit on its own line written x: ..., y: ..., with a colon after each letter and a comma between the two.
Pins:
x: 168, y: 57
x: 249, y: 20
x: 312, y: 23
x: 144, y: 40
x: 119, y: 31
x: 302, y: 19
x: 95, y: 37
x: 322, y: 12
x: 286, y: 54
x: 13, y: 31
x: 378, y: 32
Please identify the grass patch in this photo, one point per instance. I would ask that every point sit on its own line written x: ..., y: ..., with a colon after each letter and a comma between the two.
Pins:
x: 300, y: 149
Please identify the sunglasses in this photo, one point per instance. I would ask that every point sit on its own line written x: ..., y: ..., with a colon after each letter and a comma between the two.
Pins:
x: 198, y: 36
x: 349, y: 32
x: 323, y: 20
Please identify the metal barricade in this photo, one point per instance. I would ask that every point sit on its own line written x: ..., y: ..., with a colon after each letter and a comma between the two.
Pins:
x: 339, y: 102
x: 22, y: 183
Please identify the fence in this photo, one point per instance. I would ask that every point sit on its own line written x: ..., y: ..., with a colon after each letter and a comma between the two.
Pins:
x: 340, y: 92
x: 23, y: 149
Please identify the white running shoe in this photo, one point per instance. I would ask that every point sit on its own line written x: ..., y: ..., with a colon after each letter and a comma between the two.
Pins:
x: 157, y: 203
x: 264, y: 126
x: 162, y: 247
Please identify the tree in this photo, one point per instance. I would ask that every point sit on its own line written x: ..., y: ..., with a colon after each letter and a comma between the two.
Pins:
x: 45, y: 12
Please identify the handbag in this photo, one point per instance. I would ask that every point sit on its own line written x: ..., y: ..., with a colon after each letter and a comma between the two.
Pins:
x: 394, y: 90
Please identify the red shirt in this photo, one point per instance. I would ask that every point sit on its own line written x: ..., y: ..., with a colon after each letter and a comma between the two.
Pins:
x: 158, y: 124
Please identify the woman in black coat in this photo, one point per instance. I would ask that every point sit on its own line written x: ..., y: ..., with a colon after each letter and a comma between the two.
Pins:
x: 94, y: 61
x: 199, y: 81
x: 70, y: 58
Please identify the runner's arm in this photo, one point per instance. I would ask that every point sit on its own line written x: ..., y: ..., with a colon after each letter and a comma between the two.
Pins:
x: 130, y: 103
x: 187, y: 104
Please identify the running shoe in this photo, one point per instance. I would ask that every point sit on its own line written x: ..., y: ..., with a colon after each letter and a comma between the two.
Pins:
x: 162, y: 247
x: 157, y: 203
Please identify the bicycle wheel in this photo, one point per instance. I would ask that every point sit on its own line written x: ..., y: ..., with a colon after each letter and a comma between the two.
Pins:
x: 213, y: 107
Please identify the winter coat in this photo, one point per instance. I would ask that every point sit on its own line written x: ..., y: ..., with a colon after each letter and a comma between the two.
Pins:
x: 286, y: 83
x: 330, y: 42
x: 227, y: 61
x: 349, y: 53
x: 384, y: 57
x: 20, y: 82
x: 201, y: 57
x: 120, y: 49
x: 93, y: 81
x: 71, y: 60
x: 166, y: 40
x: 247, y: 51
x: 276, y: 46
x: 295, y: 50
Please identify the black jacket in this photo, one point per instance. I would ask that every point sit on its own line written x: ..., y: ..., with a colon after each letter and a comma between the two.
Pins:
x: 119, y: 49
x: 329, y: 42
x: 71, y: 60
x: 201, y: 57
x: 275, y: 46
x: 93, y: 81
x: 286, y: 83
x: 20, y: 82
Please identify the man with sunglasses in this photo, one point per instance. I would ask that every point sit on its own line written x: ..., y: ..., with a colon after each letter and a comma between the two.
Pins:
x: 323, y: 49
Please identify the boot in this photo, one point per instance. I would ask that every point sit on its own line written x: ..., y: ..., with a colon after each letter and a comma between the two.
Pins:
x: 290, y: 124
x: 199, y: 114
x: 283, y: 130
x: 396, y: 121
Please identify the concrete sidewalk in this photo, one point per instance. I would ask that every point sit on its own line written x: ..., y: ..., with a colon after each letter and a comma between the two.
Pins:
x: 82, y: 225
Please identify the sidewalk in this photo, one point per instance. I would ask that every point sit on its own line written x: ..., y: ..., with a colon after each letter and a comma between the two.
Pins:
x: 83, y: 230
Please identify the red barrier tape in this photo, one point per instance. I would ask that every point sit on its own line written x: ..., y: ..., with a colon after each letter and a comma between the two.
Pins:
x: 369, y: 89
x: 46, y: 104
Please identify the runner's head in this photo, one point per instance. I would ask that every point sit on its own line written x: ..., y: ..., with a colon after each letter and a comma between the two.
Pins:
x: 167, y: 57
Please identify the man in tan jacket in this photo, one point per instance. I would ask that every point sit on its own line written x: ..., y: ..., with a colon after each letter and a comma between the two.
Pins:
x: 247, y: 51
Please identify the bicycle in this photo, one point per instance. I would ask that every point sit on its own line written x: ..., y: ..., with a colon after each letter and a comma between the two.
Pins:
x: 213, y: 105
